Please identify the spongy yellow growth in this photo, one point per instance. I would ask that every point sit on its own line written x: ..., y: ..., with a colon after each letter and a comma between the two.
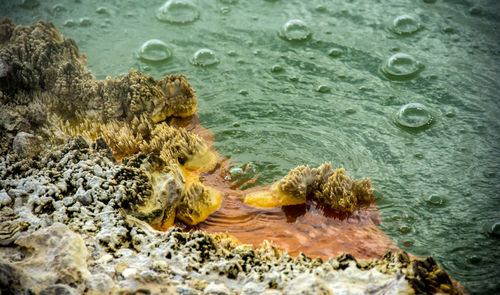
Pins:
x: 203, y: 160
x: 274, y: 197
x: 337, y: 192
x: 290, y: 190
x: 331, y: 188
x: 197, y: 203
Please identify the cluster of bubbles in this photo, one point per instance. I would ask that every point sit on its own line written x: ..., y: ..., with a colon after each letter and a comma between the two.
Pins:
x: 158, y: 51
x: 404, y: 67
x: 82, y: 22
x: 398, y: 67
x: 177, y: 12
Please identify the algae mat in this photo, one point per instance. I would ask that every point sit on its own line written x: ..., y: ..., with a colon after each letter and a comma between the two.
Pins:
x: 403, y: 92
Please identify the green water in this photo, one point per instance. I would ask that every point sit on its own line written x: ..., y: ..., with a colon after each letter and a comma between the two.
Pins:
x: 335, y: 96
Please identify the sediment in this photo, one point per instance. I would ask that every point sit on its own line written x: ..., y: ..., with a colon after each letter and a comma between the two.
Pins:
x: 89, y: 168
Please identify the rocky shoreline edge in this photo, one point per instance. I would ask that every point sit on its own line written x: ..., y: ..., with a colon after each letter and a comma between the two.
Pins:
x: 72, y: 217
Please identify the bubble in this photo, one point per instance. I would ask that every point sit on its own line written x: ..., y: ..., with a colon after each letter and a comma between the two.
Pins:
x: 178, y: 12
x: 29, y: 4
x: 474, y: 259
x: 85, y: 22
x: 102, y: 10
x: 335, y: 52
x: 277, y: 69
x: 436, y: 200
x: 58, y: 8
x: 448, y: 30
x: 419, y: 156
x: 404, y: 229
x: 295, y: 30
x: 475, y: 10
x: 414, y: 116
x: 236, y: 172
x: 323, y: 89
x: 495, y: 229
x: 401, y: 66
x: 404, y: 25
x: 407, y: 243
x: 69, y: 23
x: 204, y: 57
x: 154, y: 50
x: 320, y: 8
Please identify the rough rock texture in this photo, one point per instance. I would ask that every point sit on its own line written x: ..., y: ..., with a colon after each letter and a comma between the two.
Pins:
x: 72, y: 217
x: 45, y: 89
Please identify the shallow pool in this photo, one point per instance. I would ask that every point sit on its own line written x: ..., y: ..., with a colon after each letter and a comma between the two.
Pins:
x: 404, y: 92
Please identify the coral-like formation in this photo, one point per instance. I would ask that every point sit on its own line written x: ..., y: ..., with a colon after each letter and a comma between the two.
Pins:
x: 332, y: 189
x: 47, y: 92
x: 38, y: 58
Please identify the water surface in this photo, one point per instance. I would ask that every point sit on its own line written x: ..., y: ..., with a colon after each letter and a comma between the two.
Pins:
x: 404, y: 92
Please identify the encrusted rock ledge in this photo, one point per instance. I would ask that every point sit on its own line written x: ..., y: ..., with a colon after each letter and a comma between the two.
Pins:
x: 86, y: 167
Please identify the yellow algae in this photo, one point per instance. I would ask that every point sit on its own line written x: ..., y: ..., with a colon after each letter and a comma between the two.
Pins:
x: 274, y: 197
x: 341, y: 193
x: 204, y: 160
x: 197, y: 203
x: 167, y: 185
x: 332, y: 189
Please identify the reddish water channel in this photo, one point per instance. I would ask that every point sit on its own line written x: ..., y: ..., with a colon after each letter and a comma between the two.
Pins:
x: 298, y: 228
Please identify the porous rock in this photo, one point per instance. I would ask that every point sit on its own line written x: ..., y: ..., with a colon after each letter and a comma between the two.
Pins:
x: 26, y: 145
